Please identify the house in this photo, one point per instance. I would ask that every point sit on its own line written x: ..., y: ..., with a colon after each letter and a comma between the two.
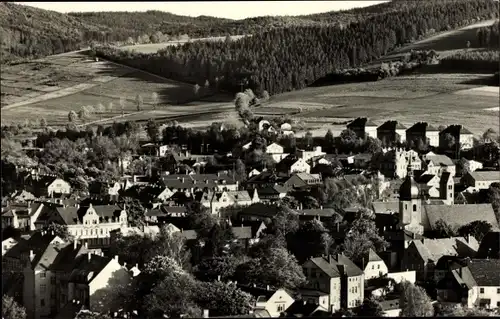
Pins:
x: 470, y: 165
x: 391, y: 132
x: 264, y: 179
x: 306, y: 308
x: 142, y: 231
x: 308, y: 155
x: 481, y: 179
x: 253, y: 172
x: 446, y: 264
x: 475, y: 285
x: 21, y: 215
x: 258, y: 212
x: 104, y: 190
x: 215, y: 201
x: 372, y: 265
x: 423, y: 132
x: 155, y: 193
x: 363, y: 127
x: 257, y: 228
x: 436, y: 164
x: 272, y: 193
x: 276, y: 151
x: 22, y: 196
x: 423, y: 255
x: 47, y: 185
x: 93, y: 223
x: 275, y: 301
x: 192, y: 182
x: 339, y: 277
x: 316, y: 213
x: 460, y: 134
x: 303, y: 180
x: 286, y: 129
x: 395, y: 162
x: 292, y: 164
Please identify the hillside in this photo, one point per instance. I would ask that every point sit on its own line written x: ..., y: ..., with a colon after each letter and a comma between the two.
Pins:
x: 27, y: 31
x: 31, y: 32
x: 312, y: 51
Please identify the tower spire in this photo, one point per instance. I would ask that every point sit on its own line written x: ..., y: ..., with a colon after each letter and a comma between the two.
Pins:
x: 409, y: 168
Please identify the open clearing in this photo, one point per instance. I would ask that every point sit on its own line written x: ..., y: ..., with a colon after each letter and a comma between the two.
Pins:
x: 78, y: 81
x: 154, y: 47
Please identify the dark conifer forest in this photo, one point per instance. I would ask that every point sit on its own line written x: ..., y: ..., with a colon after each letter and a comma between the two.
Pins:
x: 291, y: 58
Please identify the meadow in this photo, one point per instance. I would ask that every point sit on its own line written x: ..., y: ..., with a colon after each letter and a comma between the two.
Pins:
x: 154, y: 47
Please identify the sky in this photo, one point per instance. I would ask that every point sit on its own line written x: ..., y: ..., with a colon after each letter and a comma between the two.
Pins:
x: 226, y: 9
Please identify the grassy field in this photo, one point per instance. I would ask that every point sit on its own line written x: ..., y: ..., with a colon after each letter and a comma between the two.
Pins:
x: 154, y: 47
x: 81, y: 82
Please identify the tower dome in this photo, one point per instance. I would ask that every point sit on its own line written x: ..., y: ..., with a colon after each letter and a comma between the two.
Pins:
x: 409, y: 188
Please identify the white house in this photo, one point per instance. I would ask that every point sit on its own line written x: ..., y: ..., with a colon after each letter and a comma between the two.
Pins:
x: 275, y: 301
x: 307, y: 155
x: 274, y: 148
x: 215, y: 201
x: 162, y: 150
x: 300, y: 166
x: 372, y: 265
x: 472, y: 165
x: 481, y: 179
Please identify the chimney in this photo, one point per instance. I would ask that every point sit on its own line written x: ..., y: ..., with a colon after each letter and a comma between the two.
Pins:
x: 330, y: 259
x: 32, y: 255
x: 75, y: 244
x: 342, y: 269
x: 89, y: 255
x: 116, y: 258
x: 183, y: 179
x: 52, y: 233
x: 86, y: 245
x: 125, y: 265
x: 267, y: 288
x: 321, y: 207
x: 205, y: 313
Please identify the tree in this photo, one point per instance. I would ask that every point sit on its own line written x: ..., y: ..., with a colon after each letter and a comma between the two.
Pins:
x: 329, y: 139
x: 223, y: 299
x: 241, y: 102
x: 362, y: 236
x: 139, y: 102
x: 370, y: 308
x: 11, y: 309
x: 122, y: 105
x: 276, y: 268
x: 209, y: 269
x: 72, y: 116
x: 449, y: 141
x: 311, y: 240
x: 443, y: 229
x: 285, y: 222
x: 265, y: 96
x: 59, y: 230
x: 478, y: 229
x: 83, y: 114
x: 308, y: 139
x: 154, y: 98
x: 153, y: 130
x: 196, y: 89
x: 43, y: 122
x: 414, y: 301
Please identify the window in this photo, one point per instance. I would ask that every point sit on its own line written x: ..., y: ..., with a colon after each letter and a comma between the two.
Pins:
x: 498, y: 291
x: 43, y: 288
x: 43, y: 274
x: 481, y: 290
x: 280, y: 307
x: 406, y: 206
x: 42, y: 302
x: 373, y: 266
x: 378, y: 266
x: 414, y: 207
x: 498, y: 303
x: 450, y: 187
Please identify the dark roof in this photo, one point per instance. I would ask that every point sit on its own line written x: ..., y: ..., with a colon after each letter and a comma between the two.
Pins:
x: 385, y: 207
x: 332, y: 266
x: 485, y: 271
x: 458, y: 215
x: 361, y: 122
x: 451, y: 262
x: 486, y: 175
x: 369, y: 256
x: 255, y: 225
x: 275, y: 189
x: 288, y: 161
x: 391, y: 126
x: 455, y: 130
x: 72, y: 215
x: 300, y: 308
x: 85, y: 270
x: 242, y: 232
x: 490, y: 246
x: 323, y: 212
x: 409, y: 189
x: 37, y: 242
x: 422, y: 127
x: 260, y: 209
x: 266, y: 177
x: 425, y: 178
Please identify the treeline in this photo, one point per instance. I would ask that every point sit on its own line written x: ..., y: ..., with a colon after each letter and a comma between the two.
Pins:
x: 473, y: 61
x: 292, y: 58
x: 489, y: 36
x: 408, y: 64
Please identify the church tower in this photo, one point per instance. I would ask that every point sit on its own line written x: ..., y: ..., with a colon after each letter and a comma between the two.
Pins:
x: 410, y: 205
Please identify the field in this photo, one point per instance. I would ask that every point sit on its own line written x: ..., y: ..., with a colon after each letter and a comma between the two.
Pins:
x: 154, y: 47
x: 78, y: 81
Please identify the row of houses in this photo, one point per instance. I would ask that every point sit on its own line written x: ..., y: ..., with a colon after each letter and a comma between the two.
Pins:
x: 394, y: 131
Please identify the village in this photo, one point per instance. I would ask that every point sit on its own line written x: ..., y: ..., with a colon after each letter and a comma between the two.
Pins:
x: 362, y: 215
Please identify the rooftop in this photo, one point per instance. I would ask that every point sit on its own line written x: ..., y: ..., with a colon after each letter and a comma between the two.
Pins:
x: 486, y: 272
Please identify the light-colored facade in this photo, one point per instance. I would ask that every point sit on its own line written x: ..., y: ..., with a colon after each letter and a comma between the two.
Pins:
x: 215, y: 201
x: 307, y: 155
x: 277, y: 303
x: 300, y: 166
x: 58, y: 186
x: 274, y: 148
x: 472, y: 165
x: 481, y: 179
x: 319, y: 280
x: 7, y: 244
x: 375, y: 269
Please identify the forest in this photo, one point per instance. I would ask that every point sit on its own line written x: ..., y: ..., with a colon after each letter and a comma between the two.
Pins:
x: 286, y: 59
x: 489, y: 36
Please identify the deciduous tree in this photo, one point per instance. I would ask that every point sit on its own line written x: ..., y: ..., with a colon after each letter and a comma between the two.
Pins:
x: 414, y: 301
x: 223, y: 299
x: 11, y: 309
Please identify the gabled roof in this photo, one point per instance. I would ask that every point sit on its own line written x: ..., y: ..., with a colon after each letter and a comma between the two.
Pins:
x: 485, y: 175
x: 322, y: 212
x: 490, y: 246
x: 385, y: 207
x: 485, y: 272
x: 239, y: 196
x: 73, y: 215
x: 439, y: 160
x: 361, y: 122
x: 370, y: 256
x: 272, y: 190
x: 458, y: 215
x: 391, y: 126
x: 288, y: 161
x: 307, y: 176
x: 455, y: 130
x: 85, y: 270
x: 422, y: 127
x: 425, y: 178
x: 332, y: 266
x: 435, y: 249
